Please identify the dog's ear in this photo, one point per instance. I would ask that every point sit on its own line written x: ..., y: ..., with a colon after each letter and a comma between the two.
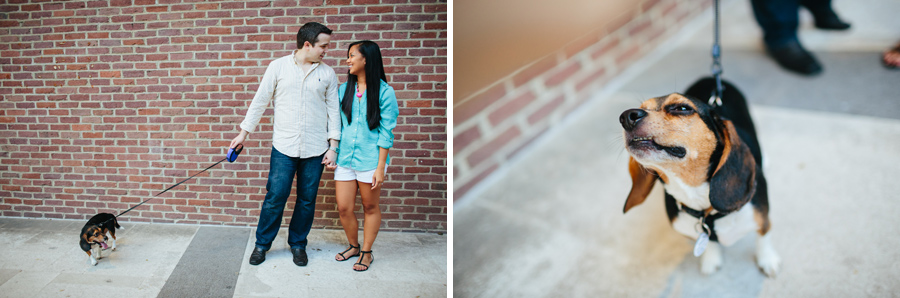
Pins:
x: 733, y: 183
x: 642, y: 180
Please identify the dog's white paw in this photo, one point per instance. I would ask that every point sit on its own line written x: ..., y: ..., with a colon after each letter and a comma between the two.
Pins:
x: 711, y: 260
x: 769, y: 264
x: 767, y: 259
x: 93, y: 262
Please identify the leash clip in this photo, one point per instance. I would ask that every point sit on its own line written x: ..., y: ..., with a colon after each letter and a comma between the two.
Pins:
x: 703, y: 237
x: 702, y: 227
x: 715, y: 100
x: 234, y: 152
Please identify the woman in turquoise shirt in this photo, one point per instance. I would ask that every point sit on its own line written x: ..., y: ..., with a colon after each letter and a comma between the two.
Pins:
x: 369, y: 114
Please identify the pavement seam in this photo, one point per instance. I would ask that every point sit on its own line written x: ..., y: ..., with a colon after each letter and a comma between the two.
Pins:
x: 210, y: 265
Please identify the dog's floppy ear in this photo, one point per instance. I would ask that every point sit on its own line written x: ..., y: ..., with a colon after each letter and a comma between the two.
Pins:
x: 733, y: 183
x: 642, y: 180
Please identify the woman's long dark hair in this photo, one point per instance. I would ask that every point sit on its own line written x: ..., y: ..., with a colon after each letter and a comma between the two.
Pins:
x: 374, y: 75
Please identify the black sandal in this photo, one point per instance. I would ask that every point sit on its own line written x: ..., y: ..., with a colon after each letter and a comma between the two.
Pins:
x: 348, y: 257
x: 361, y: 258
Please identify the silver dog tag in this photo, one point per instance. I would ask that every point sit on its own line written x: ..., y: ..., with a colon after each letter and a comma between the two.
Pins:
x: 700, y: 246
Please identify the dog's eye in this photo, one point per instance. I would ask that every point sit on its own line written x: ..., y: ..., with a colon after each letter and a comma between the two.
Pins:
x: 680, y: 109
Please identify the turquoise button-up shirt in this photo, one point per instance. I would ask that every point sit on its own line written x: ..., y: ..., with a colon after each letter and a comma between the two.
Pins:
x: 359, y: 145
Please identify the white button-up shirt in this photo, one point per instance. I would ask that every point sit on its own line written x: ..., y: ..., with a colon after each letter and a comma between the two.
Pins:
x: 306, y: 107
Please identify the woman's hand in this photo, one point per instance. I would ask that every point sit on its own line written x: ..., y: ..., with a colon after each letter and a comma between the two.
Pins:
x: 330, y: 160
x: 378, y: 178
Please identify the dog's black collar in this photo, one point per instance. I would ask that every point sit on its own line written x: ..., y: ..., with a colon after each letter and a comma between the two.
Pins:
x: 695, y: 213
x: 708, y: 220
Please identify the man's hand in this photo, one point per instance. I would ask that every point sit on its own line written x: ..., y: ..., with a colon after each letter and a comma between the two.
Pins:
x: 330, y: 160
x: 239, y: 139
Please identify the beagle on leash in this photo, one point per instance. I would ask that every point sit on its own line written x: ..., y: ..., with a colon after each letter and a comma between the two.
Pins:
x: 708, y: 160
x: 94, y: 235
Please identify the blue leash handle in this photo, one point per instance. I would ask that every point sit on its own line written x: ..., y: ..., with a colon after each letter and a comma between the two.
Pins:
x: 233, y: 152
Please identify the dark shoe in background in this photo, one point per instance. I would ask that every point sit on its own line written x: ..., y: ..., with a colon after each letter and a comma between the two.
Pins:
x: 829, y: 21
x: 300, y: 258
x: 794, y: 57
x: 258, y: 256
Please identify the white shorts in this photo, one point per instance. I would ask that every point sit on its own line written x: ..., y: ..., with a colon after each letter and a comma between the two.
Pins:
x: 348, y: 174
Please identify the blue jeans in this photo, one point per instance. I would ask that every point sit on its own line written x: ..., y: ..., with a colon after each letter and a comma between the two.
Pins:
x: 282, y: 169
x: 779, y: 19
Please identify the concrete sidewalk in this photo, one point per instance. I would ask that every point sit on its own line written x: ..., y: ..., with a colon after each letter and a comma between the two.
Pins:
x: 41, y: 258
x: 550, y: 224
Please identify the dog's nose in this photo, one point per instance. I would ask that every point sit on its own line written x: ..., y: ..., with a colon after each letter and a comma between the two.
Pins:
x: 631, y: 117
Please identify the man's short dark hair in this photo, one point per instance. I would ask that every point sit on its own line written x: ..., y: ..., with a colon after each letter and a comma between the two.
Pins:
x: 310, y: 32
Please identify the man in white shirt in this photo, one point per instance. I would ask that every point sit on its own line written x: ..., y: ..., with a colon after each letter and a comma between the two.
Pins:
x: 307, y: 131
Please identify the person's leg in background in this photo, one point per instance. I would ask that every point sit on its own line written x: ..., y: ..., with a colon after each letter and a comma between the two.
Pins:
x: 278, y: 188
x: 824, y: 15
x: 779, y: 20
x: 309, y: 174
x: 891, y: 58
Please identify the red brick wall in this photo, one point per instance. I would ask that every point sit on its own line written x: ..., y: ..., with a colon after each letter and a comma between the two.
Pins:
x: 494, y: 124
x: 106, y: 103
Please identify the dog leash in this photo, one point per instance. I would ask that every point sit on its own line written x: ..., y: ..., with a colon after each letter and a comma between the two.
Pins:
x: 716, y: 97
x: 230, y: 157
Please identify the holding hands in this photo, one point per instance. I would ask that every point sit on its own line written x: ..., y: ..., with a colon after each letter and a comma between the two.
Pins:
x: 330, y: 160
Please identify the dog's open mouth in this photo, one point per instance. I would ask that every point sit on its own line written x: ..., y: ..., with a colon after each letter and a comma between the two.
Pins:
x: 102, y: 244
x: 647, y: 143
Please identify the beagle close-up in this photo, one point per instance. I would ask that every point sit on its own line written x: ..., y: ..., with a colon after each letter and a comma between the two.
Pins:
x: 708, y: 160
x: 94, y: 235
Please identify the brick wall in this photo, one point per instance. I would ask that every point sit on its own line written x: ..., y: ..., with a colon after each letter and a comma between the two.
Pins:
x: 106, y: 103
x: 493, y: 125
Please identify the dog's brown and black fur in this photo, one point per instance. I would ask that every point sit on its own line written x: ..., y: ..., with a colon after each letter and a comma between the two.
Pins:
x: 94, y: 234
x: 709, y: 161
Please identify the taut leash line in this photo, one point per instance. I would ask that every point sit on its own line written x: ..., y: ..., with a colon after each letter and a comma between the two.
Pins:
x: 230, y: 157
x: 716, y: 97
